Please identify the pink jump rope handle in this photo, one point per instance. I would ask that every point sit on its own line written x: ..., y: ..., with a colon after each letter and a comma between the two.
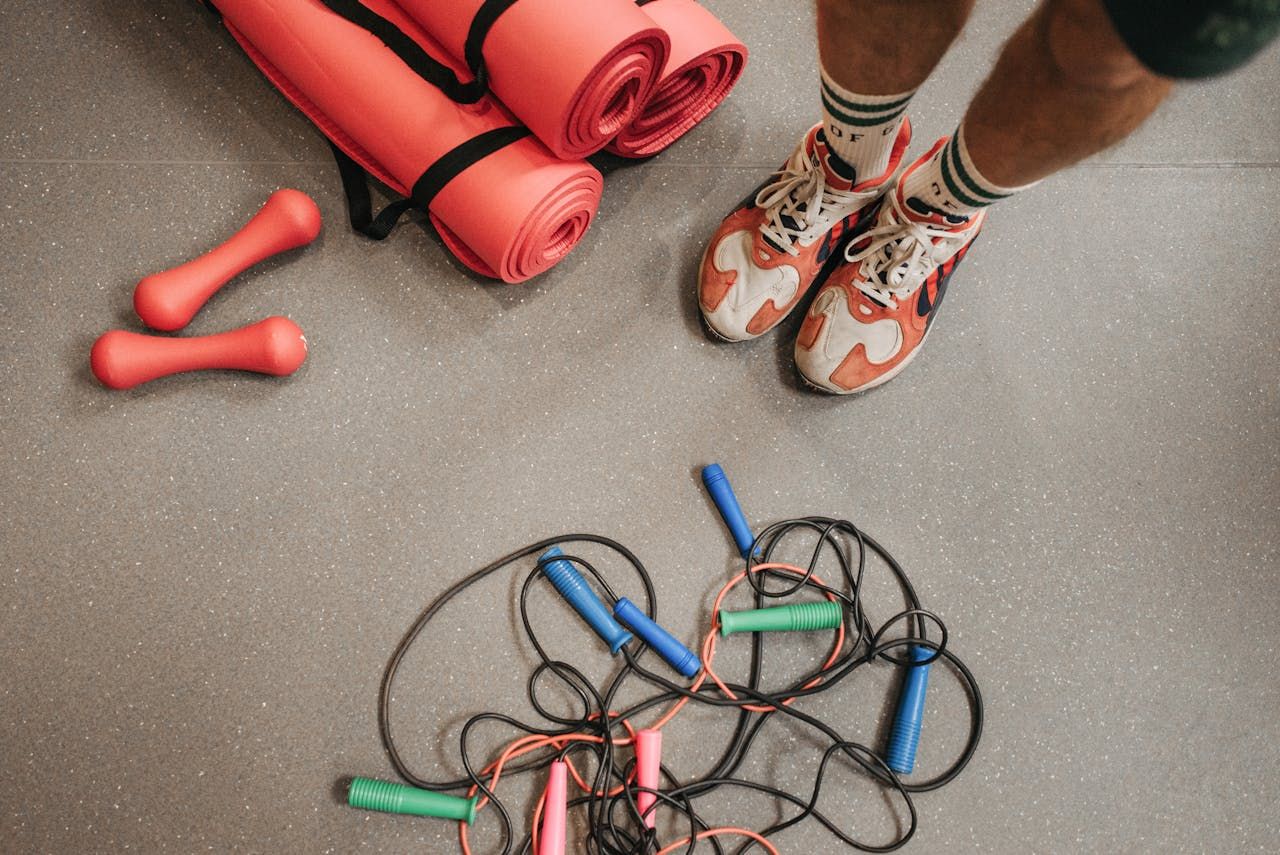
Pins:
x: 169, y: 300
x: 648, y: 772
x: 554, y: 811
x: 122, y: 359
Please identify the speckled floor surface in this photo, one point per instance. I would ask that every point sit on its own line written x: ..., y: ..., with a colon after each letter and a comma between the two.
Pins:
x: 200, y: 580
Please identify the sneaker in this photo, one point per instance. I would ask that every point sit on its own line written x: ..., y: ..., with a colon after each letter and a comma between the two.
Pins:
x: 870, y: 318
x: 769, y: 252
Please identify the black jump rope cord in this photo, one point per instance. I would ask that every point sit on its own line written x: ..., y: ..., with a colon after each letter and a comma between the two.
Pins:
x: 614, y: 821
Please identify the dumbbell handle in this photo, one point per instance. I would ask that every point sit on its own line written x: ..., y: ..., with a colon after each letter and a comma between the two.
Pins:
x: 122, y: 359
x: 169, y: 300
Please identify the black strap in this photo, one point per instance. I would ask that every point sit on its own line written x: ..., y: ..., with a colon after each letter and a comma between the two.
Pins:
x: 459, y: 158
x: 355, y: 182
x: 428, y: 67
x: 473, y: 49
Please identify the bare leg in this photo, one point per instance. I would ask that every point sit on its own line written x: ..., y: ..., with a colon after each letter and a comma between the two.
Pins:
x: 1065, y: 87
x: 864, y: 46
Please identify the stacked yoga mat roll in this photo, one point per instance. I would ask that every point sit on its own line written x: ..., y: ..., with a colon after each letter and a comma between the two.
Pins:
x: 481, y: 111
x: 704, y: 63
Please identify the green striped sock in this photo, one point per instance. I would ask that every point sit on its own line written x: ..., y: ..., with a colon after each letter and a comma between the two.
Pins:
x: 951, y: 183
x: 861, y: 129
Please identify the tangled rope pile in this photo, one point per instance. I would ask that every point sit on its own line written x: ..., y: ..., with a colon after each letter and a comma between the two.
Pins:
x: 605, y: 736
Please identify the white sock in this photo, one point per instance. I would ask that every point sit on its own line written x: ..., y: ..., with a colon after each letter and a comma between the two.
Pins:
x: 861, y: 129
x: 951, y: 184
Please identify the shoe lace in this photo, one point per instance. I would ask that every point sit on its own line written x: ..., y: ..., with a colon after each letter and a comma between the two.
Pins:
x: 898, y: 254
x: 799, y: 204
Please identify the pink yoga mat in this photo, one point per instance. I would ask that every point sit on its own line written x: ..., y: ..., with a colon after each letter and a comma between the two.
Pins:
x: 576, y: 72
x: 705, y: 62
x: 511, y: 215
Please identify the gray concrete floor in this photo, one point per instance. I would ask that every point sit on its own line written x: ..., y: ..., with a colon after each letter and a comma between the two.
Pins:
x: 201, y: 579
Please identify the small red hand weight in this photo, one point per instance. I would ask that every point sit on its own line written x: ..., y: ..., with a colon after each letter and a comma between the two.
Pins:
x: 169, y: 300
x: 122, y: 359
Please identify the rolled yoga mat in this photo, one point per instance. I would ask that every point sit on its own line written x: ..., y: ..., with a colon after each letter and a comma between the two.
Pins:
x: 510, y: 215
x: 705, y: 63
x: 575, y: 72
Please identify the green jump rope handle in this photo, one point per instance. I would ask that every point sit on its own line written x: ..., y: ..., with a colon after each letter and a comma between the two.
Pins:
x: 399, y: 798
x: 797, y: 617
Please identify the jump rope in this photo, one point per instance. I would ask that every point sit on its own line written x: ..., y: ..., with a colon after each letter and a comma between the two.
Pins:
x: 629, y: 783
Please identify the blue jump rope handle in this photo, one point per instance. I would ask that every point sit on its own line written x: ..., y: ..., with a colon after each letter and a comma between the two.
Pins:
x: 664, y: 643
x: 904, y: 738
x: 718, y: 486
x: 569, y: 582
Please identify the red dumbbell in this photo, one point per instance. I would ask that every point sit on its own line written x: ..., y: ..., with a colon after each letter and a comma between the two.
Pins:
x: 169, y: 300
x: 122, y: 359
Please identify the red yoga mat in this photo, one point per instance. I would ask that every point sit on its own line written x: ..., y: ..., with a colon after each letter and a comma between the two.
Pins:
x: 705, y: 62
x: 575, y: 72
x: 510, y: 215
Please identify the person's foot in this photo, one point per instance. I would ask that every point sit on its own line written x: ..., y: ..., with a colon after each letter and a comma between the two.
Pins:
x: 870, y: 318
x: 768, y: 253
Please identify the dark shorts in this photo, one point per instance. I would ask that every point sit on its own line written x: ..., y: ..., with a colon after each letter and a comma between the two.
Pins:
x: 1195, y: 38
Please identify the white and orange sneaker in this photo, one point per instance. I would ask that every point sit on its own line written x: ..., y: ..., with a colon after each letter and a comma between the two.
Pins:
x: 872, y: 315
x: 786, y: 236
